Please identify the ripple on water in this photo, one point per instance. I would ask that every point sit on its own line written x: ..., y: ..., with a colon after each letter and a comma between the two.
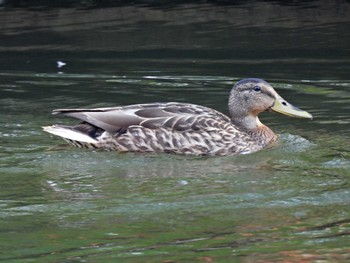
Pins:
x: 337, y: 163
x: 295, y: 143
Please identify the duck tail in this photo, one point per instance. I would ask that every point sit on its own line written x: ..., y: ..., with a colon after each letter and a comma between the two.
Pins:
x: 71, y: 135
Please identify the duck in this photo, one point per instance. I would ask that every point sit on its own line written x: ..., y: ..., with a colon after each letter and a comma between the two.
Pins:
x: 181, y: 128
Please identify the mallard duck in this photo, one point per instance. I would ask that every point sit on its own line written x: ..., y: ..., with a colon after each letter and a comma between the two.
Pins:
x: 181, y: 128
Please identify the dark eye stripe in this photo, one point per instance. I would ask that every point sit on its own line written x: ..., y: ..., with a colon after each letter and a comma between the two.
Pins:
x: 264, y: 91
x: 257, y: 88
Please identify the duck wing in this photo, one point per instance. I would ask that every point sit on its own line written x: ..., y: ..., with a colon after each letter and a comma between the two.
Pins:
x: 172, y: 115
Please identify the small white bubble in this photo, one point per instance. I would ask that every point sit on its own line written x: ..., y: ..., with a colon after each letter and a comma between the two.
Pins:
x: 52, y: 183
x: 61, y: 64
x: 183, y: 182
x: 112, y: 234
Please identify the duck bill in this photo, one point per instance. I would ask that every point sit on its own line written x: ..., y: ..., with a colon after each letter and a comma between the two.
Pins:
x: 285, y: 108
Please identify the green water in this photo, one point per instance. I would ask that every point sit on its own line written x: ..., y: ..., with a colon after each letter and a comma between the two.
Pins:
x: 286, y: 204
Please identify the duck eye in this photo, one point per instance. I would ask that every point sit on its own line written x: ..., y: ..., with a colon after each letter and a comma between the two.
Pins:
x: 257, y: 88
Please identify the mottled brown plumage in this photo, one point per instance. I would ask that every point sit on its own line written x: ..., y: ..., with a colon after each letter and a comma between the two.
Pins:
x: 180, y: 127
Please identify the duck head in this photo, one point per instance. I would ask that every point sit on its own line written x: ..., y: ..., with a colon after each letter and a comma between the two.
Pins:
x: 251, y: 96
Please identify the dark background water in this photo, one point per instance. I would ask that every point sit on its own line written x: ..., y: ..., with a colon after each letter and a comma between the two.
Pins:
x: 290, y: 203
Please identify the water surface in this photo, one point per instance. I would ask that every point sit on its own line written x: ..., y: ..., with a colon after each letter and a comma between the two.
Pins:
x: 289, y: 203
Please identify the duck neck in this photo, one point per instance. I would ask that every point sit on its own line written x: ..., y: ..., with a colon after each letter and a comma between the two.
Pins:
x: 258, y: 131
